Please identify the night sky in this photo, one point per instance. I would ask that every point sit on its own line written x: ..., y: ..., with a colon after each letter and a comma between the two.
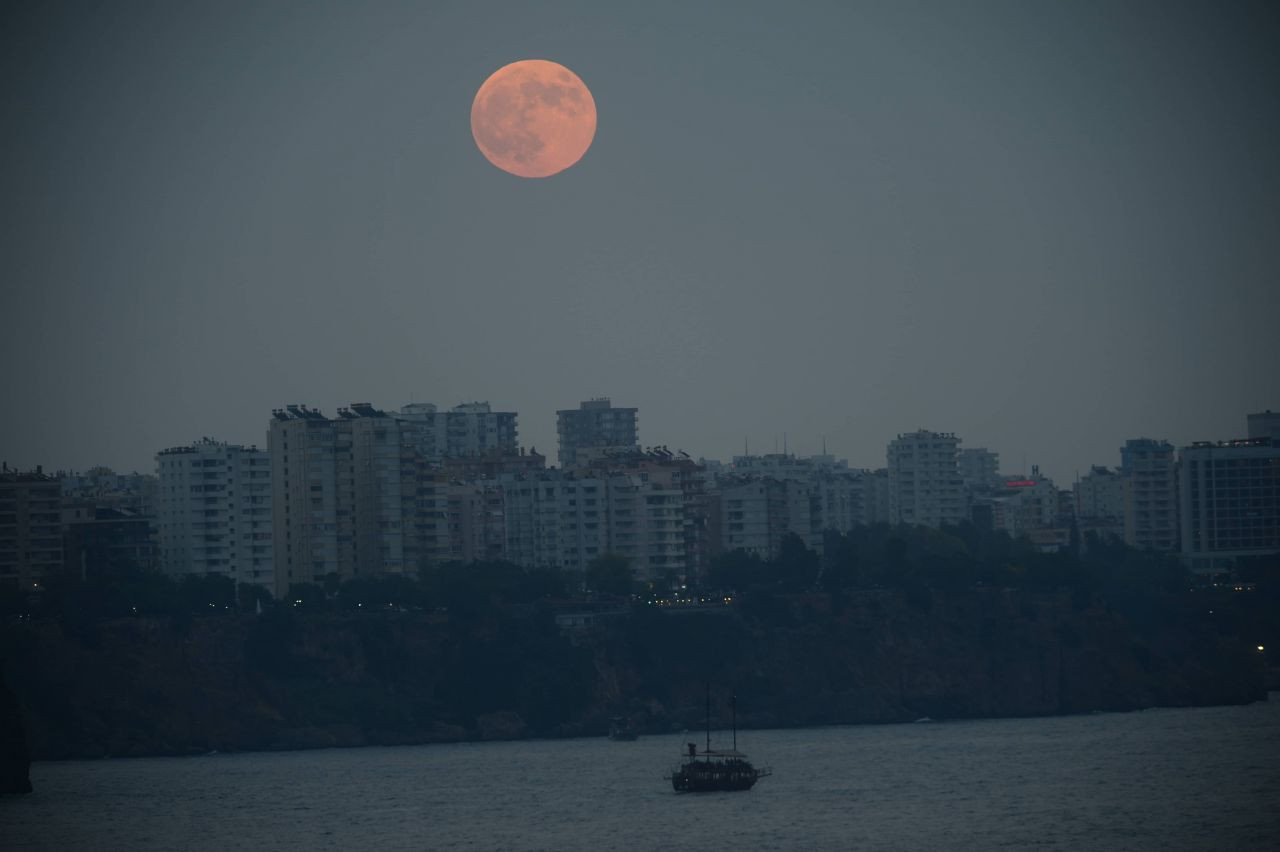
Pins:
x: 1047, y: 227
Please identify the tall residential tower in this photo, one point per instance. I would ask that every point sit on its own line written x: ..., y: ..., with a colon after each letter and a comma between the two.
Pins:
x: 925, y: 484
x: 30, y: 527
x: 1150, y: 494
x: 595, y: 423
x: 214, y: 511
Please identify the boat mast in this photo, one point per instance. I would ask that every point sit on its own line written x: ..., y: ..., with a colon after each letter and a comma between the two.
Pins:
x: 734, y: 704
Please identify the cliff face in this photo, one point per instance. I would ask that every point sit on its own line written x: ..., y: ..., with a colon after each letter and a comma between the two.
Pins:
x: 156, y: 686
x: 878, y: 657
x: 1000, y: 654
x: 15, y: 757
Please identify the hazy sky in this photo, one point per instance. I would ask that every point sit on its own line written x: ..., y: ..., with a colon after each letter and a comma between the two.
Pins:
x: 1047, y: 227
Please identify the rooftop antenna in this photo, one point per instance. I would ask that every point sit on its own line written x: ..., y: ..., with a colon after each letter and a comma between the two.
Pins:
x: 824, y: 445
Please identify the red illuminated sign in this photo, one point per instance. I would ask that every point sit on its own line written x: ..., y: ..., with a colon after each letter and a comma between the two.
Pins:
x: 1019, y: 483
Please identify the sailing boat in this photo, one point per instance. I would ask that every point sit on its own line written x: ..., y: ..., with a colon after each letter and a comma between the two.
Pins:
x: 716, y: 771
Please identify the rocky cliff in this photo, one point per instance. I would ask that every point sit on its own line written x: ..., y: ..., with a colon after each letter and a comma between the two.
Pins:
x: 281, y: 680
x: 15, y: 756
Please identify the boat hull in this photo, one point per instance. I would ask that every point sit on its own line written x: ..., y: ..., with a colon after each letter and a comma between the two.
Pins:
x: 714, y: 778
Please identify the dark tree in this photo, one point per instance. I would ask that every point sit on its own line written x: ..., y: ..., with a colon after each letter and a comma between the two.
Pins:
x: 796, y: 567
x: 735, y: 570
x: 610, y: 573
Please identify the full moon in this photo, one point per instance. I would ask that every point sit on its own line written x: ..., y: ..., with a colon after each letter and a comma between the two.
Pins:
x: 533, y: 118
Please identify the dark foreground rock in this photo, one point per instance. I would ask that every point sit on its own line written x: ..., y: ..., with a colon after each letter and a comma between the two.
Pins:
x: 15, y: 757
x: 148, y: 686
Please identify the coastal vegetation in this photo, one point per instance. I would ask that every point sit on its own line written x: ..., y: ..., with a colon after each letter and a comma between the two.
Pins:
x: 891, y: 624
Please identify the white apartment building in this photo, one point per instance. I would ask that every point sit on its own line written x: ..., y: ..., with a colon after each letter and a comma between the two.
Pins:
x: 470, y: 429
x: 979, y: 468
x: 645, y: 506
x: 925, y: 486
x: 841, y: 496
x: 366, y: 493
x: 647, y: 523
x: 1099, y: 495
x: 1229, y: 501
x: 477, y: 521
x: 214, y: 512
x: 1025, y: 504
x: 352, y: 496
x: 839, y: 501
x: 1150, y: 494
x: 754, y: 515
x: 876, y: 508
x: 554, y: 519
x: 782, y: 466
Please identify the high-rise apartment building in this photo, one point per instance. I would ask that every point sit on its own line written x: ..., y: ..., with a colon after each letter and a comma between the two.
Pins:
x: 104, y: 488
x: 648, y: 507
x: 1265, y: 424
x: 784, y: 466
x: 368, y: 492
x: 875, y: 497
x: 839, y: 501
x: 925, y: 486
x: 1097, y: 504
x: 99, y: 538
x: 839, y: 497
x: 347, y: 499
x: 1099, y: 495
x: 755, y: 515
x: 535, y: 534
x: 30, y: 527
x: 1024, y: 504
x: 979, y: 468
x: 657, y: 511
x: 1229, y: 496
x: 595, y: 423
x: 466, y: 430
x: 1150, y: 494
x: 214, y: 512
x: 477, y: 521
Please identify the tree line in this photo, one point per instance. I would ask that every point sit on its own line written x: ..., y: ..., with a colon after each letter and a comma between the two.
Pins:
x: 917, y: 560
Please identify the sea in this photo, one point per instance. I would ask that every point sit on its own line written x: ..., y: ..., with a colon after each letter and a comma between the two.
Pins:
x: 1168, y: 779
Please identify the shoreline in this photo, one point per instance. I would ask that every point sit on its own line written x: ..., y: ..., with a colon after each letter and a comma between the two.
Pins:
x: 1272, y: 696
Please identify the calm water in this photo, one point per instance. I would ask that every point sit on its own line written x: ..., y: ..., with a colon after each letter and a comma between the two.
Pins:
x: 1160, y: 779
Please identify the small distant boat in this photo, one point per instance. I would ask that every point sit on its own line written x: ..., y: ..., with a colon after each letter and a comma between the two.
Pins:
x: 716, y: 771
x: 623, y: 729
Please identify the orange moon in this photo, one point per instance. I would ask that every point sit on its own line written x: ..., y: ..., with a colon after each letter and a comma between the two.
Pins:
x: 533, y: 118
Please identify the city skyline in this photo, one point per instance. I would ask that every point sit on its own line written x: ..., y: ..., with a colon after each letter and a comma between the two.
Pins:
x: 780, y: 443
x: 1047, y: 229
x: 373, y: 493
